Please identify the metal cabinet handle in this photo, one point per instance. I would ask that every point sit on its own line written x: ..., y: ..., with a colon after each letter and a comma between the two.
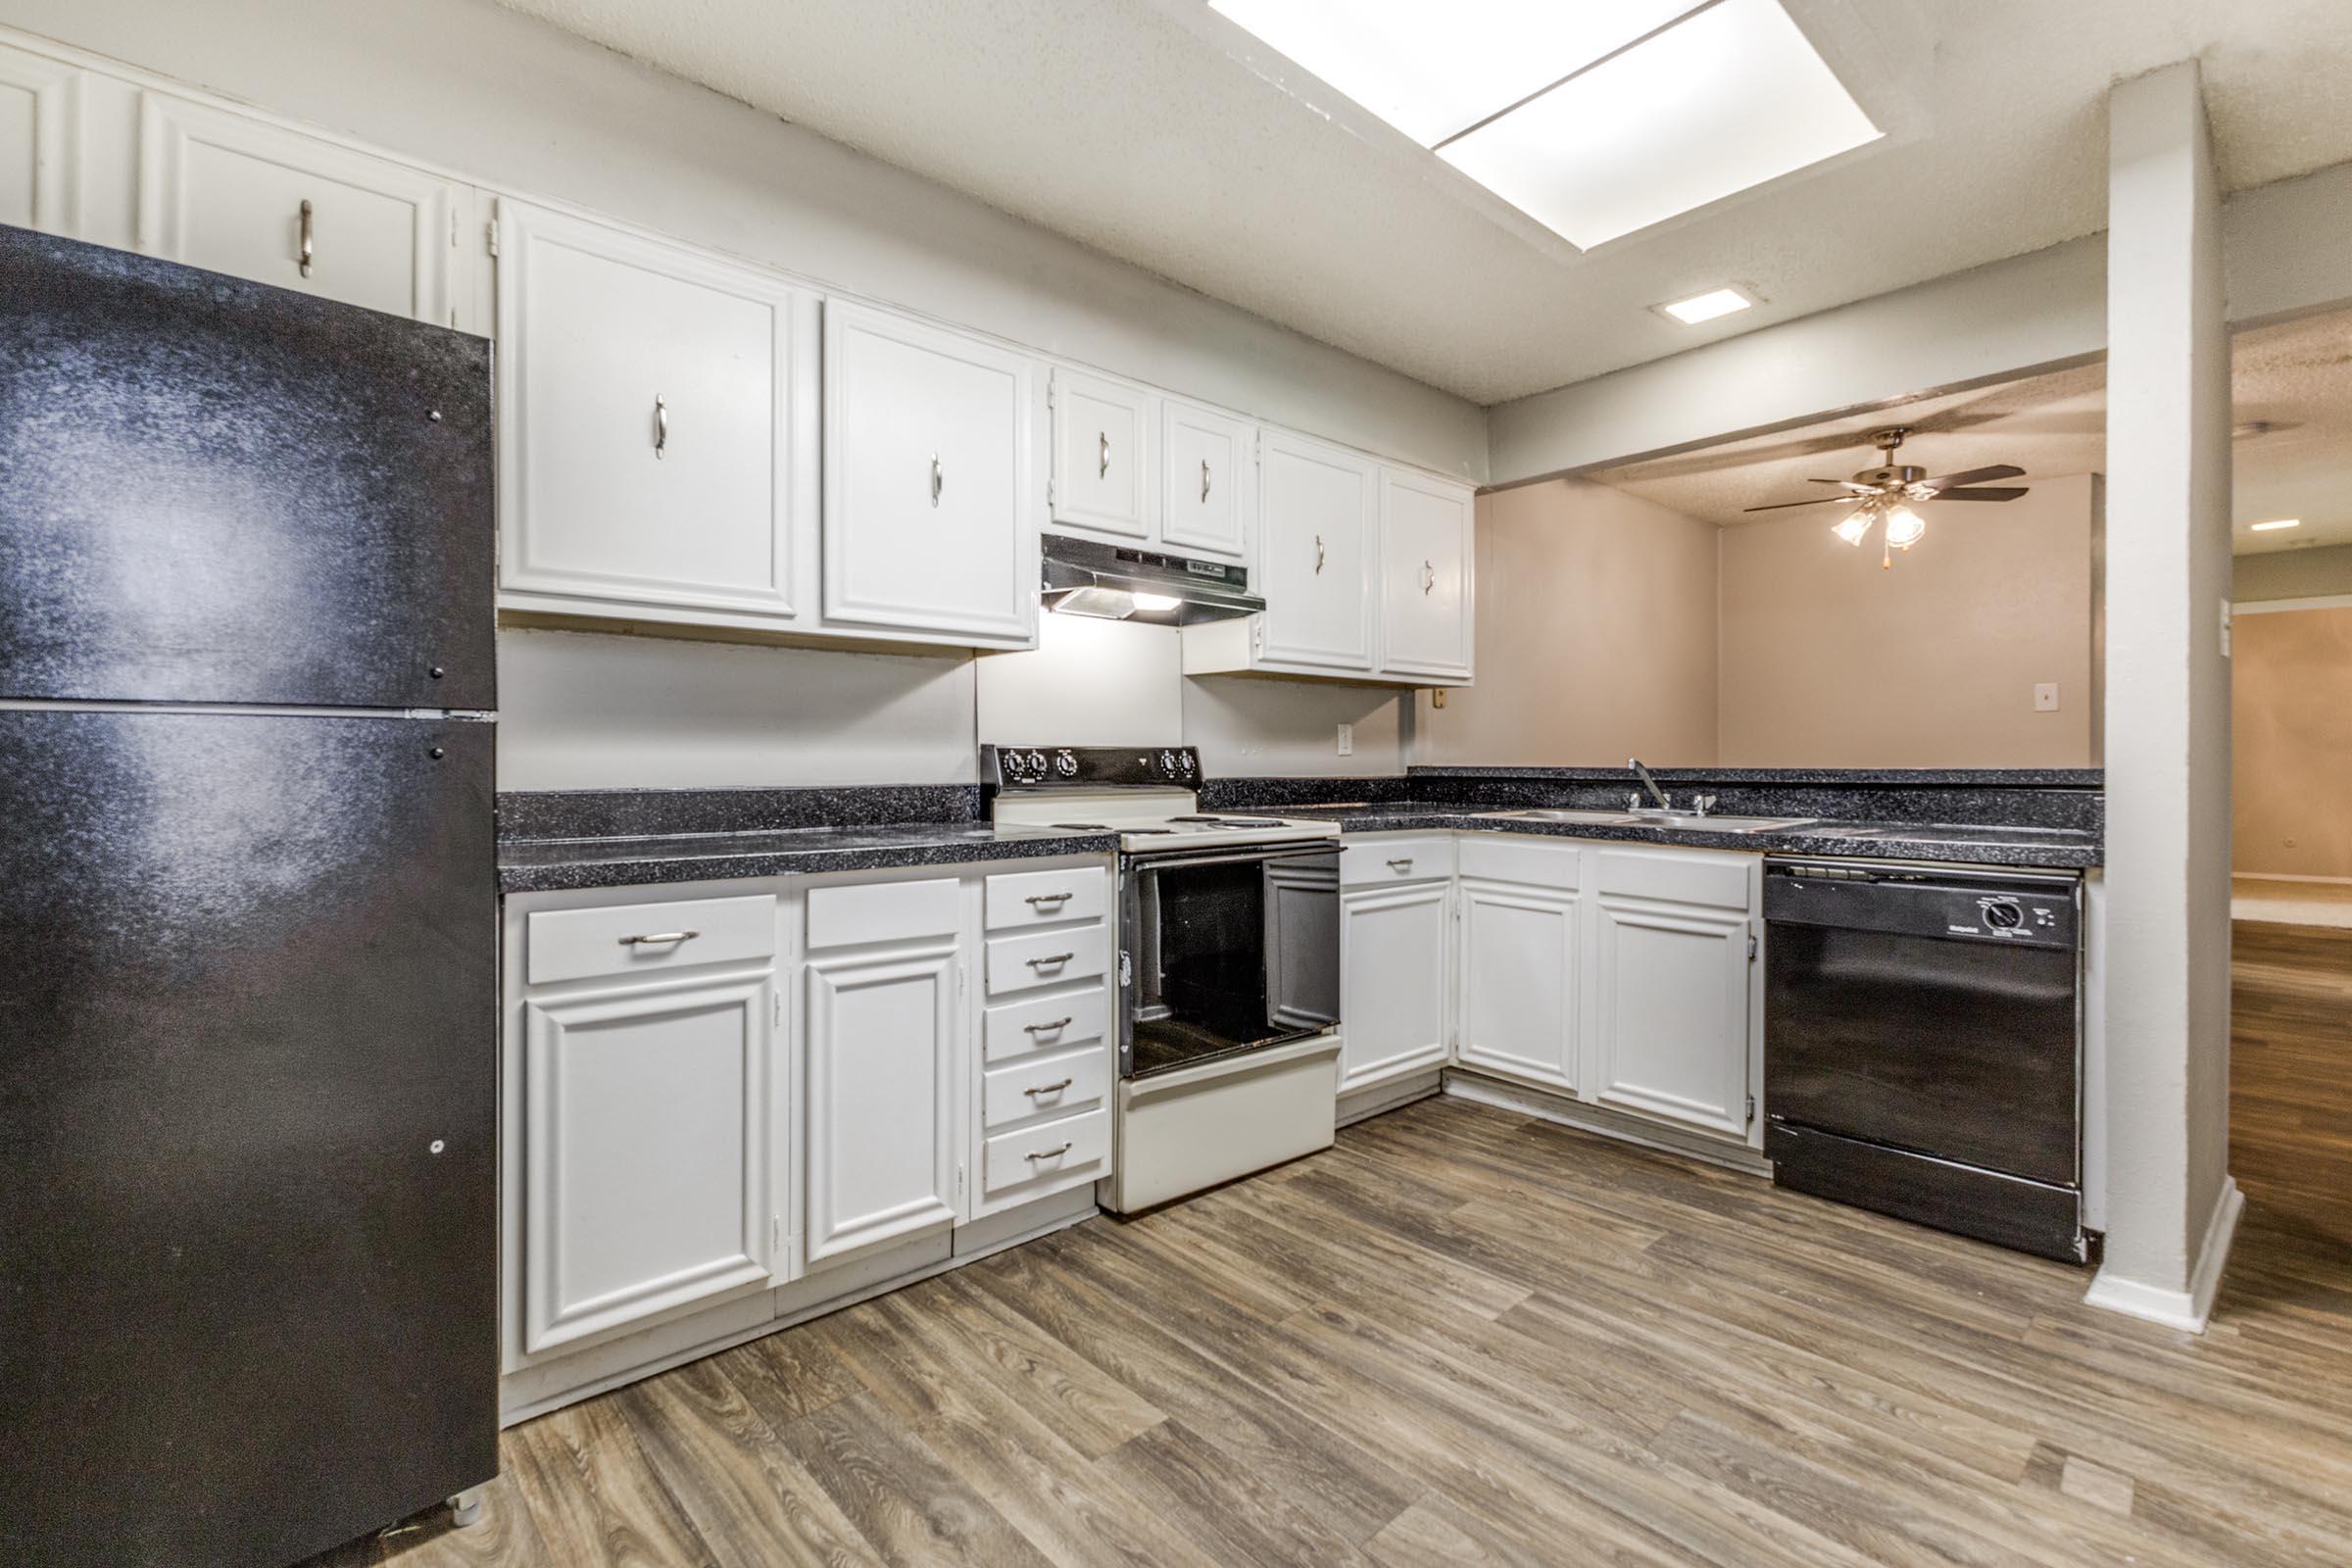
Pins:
x: 939, y: 479
x: 1204, y: 480
x: 659, y: 939
x: 1406, y: 865
x: 1318, y: 555
x: 660, y: 424
x: 1049, y: 1153
x: 1103, y: 469
x: 1052, y: 961
x: 307, y: 250
x: 1429, y: 578
x: 1050, y: 1088
x: 1047, y: 898
x: 1055, y: 1027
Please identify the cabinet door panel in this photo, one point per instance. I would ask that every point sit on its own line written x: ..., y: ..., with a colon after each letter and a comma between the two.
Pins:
x: 1424, y: 574
x: 1208, y: 490
x: 225, y: 193
x: 646, y: 404
x: 1393, y: 967
x: 36, y: 171
x: 927, y: 521
x: 1316, y: 519
x: 1521, y: 988
x: 881, y: 1097
x: 646, y: 1136
x: 1671, y: 1011
x: 1101, y: 455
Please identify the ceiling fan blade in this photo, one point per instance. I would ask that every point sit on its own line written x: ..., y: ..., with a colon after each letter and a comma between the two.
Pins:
x: 1999, y: 471
x: 1988, y: 493
x: 1860, y: 489
x: 1817, y: 501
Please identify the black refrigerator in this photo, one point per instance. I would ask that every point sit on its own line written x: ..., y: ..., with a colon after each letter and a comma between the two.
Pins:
x: 248, y: 996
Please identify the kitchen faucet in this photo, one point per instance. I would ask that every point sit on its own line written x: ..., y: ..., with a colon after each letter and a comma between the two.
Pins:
x: 1649, y: 784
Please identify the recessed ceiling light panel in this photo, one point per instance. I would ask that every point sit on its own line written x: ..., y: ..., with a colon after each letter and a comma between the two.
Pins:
x: 1723, y: 100
x: 2282, y: 522
x: 1705, y: 307
x: 1433, y: 71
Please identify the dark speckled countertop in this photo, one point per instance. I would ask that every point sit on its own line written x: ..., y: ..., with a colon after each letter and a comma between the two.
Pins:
x: 549, y: 839
x: 1972, y: 844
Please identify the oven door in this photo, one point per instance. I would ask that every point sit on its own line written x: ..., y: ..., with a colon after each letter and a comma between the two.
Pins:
x: 1225, y: 951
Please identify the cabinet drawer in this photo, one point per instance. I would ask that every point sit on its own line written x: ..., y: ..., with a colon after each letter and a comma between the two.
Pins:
x: 1527, y: 862
x: 1048, y: 1152
x: 646, y: 938
x: 1014, y: 1029
x: 882, y: 911
x: 1046, y: 957
x: 1405, y: 857
x: 1718, y: 879
x: 1045, y: 1086
x: 1039, y: 898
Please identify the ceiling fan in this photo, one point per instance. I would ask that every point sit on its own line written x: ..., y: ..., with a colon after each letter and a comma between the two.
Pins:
x: 1887, y: 493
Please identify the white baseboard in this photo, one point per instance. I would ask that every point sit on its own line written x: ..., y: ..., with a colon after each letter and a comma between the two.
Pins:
x: 1358, y: 1105
x: 2289, y: 876
x: 1599, y: 1119
x: 2189, y: 1310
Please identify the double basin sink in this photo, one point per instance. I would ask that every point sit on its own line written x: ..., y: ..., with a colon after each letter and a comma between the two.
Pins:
x: 1694, y: 821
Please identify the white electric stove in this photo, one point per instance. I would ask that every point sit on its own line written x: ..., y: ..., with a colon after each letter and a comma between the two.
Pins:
x: 1228, y: 962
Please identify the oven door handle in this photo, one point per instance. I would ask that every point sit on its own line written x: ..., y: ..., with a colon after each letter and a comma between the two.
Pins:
x: 1176, y: 861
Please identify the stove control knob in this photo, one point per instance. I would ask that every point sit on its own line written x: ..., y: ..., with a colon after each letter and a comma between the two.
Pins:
x: 1167, y: 762
x: 1066, y: 764
x: 1184, y: 762
x: 1036, y: 762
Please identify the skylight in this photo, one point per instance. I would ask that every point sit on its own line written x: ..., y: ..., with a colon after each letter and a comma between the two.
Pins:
x: 1593, y: 120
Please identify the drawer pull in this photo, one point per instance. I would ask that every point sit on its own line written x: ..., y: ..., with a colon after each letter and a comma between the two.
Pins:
x: 660, y: 424
x: 658, y: 939
x: 1048, y: 1153
x: 1042, y: 899
x: 1056, y: 1027
x: 1403, y: 864
x: 1052, y: 961
x: 308, y: 251
x: 1050, y: 1089
x: 1103, y: 472
x: 939, y: 479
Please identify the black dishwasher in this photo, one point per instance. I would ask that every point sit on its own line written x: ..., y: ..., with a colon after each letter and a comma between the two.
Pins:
x: 1923, y: 1046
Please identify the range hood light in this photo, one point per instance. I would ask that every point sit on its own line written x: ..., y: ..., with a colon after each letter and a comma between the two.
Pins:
x: 1103, y: 603
x: 1156, y: 602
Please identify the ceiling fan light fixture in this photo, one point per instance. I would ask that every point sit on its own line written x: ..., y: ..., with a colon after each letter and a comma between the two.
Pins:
x: 1905, y: 527
x: 1855, y: 527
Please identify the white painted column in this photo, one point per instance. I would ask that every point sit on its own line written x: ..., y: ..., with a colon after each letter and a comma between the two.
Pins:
x: 2170, y: 1205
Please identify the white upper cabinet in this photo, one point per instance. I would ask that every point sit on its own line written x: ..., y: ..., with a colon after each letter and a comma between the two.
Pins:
x: 1425, y: 571
x: 657, y: 428
x: 1673, y: 943
x: 1103, y: 437
x: 929, y: 490
x: 237, y: 195
x: 36, y: 144
x: 1207, y: 490
x: 1317, y: 517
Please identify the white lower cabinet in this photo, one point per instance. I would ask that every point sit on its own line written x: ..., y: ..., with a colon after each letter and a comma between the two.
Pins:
x: 1521, y: 981
x: 1393, y: 959
x: 883, y: 1051
x: 1672, y: 946
x: 647, y: 1133
x: 1620, y: 976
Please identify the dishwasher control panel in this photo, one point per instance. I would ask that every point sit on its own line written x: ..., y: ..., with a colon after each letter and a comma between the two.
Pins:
x: 2025, y: 908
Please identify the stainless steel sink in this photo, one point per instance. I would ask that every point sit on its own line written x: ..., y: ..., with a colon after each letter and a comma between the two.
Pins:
x: 1690, y: 820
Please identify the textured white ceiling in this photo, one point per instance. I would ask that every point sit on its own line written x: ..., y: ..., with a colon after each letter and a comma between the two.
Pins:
x: 1157, y: 131
x: 2297, y: 377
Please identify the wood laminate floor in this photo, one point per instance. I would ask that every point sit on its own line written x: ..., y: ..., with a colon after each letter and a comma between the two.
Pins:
x: 1464, y: 1337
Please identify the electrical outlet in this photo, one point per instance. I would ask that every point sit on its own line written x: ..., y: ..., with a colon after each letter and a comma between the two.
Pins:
x: 1346, y: 740
x: 2045, y: 697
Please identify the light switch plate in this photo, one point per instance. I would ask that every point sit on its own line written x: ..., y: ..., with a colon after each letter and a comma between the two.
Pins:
x: 2045, y: 697
x: 1346, y: 740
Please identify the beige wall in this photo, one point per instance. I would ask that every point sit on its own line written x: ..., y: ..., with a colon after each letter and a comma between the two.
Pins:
x: 1595, y: 635
x: 2292, y: 574
x: 2292, y: 717
x: 1827, y: 661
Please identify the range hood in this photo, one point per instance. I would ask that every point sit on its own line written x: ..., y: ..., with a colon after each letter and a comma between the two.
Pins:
x: 1119, y: 582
